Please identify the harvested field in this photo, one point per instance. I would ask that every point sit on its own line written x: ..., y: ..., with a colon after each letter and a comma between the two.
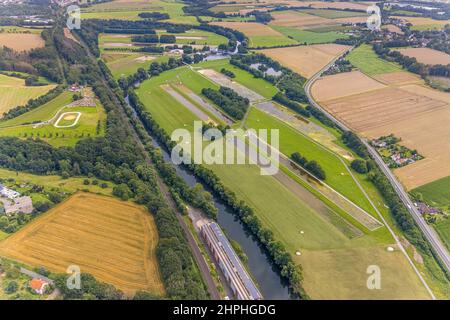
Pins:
x: 393, y: 28
x: 306, y: 60
x: 21, y: 41
x: 421, y: 23
x: 249, y: 28
x: 343, y: 84
x: 351, y: 20
x: 297, y: 19
x: 369, y: 110
x: 222, y: 80
x: 426, y: 55
x: 113, y: 240
x: 398, y: 78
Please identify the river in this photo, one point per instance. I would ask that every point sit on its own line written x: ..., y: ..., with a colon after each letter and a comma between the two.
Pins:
x: 267, y: 276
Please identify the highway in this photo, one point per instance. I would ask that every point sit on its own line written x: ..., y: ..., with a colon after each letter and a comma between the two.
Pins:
x: 428, y: 232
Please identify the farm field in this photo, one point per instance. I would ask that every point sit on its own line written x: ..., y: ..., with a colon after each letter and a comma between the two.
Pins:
x: 306, y: 60
x: 90, y: 124
x: 404, y: 107
x: 21, y: 39
x: 310, y: 37
x: 298, y: 19
x: 115, y: 241
x: 129, y: 10
x: 260, y: 35
x: 421, y: 23
x: 443, y: 229
x: 334, y: 14
x: 437, y: 193
x: 366, y: 60
x: 286, y: 214
x: 343, y: 84
x: 14, y: 92
x: 426, y: 55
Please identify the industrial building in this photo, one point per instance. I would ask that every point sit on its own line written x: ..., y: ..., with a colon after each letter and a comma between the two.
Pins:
x: 237, y: 277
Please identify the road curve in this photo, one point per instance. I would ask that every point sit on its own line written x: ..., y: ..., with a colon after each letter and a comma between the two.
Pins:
x: 428, y: 232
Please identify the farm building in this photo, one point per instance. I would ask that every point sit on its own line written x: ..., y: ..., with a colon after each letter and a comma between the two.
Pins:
x: 240, y: 282
x: 38, y: 285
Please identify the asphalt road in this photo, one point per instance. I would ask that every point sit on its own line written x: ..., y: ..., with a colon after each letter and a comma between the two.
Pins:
x: 428, y: 232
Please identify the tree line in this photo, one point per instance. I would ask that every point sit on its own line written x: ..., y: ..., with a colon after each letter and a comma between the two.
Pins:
x: 228, y: 100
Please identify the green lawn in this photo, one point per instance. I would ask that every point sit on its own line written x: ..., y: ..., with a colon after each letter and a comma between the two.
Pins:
x: 436, y: 193
x: 129, y: 10
x: 292, y: 141
x: 333, y: 14
x: 70, y: 185
x: 365, y: 59
x: 42, y: 113
x: 127, y: 64
x: 261, y: 86
x: 443, y: 228
x: 86, y: 126
x: 310, y: 37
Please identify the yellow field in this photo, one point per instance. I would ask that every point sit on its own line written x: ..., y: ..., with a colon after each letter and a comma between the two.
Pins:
x: 306, y: 60
x: 114, y: 241
x: 21, y: 41
x: 13, y: 92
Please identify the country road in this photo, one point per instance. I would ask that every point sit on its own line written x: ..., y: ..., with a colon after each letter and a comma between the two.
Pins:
x: 428, y: 232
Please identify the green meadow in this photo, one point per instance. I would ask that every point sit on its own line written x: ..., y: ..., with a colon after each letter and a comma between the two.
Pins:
x: 365, y: 59
x: 310, y: 37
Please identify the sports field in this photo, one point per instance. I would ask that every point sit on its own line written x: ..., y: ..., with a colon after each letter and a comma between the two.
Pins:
x: 40, y: 122
x: 287, y: 214
x: 306, y: 60
x: 366, y: 60
x: 114, y: 241
x: 14, y: 92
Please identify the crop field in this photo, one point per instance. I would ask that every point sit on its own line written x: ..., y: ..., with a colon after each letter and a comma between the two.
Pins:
x: 129, y: 10
x: 115, y: 241
x: 421, y: 23
x: 404, y: 107
x: 298, y: 19
x: 334, y: 14
x: 393, y: 28
x: 310, y: 37
x: 343, y: 84
x: 14, y: 92
x: 306, y: 60
x: 24, y: 126
x: 426, y: 55
x: 287, y: 214
x: 260, y: 35
x: 398, y: 78
x: 366, y: 60
x: 21, y: 39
